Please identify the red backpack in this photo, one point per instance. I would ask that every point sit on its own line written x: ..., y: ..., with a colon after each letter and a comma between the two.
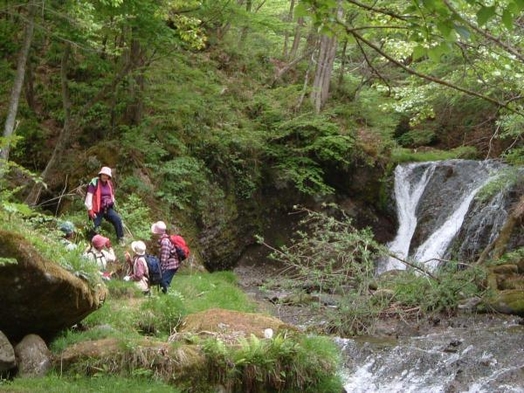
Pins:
x: 181, y: 248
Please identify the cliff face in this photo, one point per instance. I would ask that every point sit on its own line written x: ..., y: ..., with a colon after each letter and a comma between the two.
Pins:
x: 230, y: 225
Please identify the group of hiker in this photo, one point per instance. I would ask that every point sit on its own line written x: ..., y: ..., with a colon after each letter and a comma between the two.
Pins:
x: 100, y: 204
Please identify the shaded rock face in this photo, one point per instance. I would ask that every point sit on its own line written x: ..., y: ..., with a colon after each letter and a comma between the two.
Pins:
x: 7, y: 354
x: 444, y: 190
x: 39, y: 296
x: 33, y: 356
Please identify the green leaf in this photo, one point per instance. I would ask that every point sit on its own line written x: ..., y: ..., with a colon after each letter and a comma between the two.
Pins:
x: 519, y: 4
x: 300, y: 11
x: 485, y: 14
x: 436, y: 52
x: 419, y: 52
x: 463, y: 31
x: 507, y: 19
x: 445, y: 28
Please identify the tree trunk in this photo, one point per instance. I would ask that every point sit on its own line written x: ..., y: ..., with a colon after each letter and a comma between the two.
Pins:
x: 296, y: 38
x: 245, y: 29
x: 9, y: 127
x: 29, y: 87
x: 343, y: 63
x: 134, y: 109
x: 288, y: 19
x: 326, y: 57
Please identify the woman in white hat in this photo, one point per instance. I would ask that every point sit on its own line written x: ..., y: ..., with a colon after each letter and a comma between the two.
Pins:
x: 100, y: 202
x: 140, y: 271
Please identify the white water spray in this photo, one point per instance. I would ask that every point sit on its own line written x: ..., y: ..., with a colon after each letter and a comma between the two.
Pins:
x: 407, y: 197
x: 411, y: 183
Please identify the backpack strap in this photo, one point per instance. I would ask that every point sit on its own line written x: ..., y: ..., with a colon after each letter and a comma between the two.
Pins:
x: 144, y: 263
x: 101, y: 257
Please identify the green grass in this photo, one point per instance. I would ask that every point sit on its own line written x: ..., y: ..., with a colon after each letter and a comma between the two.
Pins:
x: 203, y: 291
x: 100, y: 384
x: 400, y: 155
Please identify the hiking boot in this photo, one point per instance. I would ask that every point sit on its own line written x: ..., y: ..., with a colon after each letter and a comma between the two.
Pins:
x: 121, y: 242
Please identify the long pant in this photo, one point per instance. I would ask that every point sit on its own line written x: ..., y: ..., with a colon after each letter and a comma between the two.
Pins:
x: 112, y: 216
x: 167, y: 276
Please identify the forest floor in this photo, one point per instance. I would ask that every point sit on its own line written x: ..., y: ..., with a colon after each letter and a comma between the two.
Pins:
x: 256, y: 278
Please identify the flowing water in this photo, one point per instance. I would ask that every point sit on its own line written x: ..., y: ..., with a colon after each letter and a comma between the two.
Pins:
x: 482, y: 355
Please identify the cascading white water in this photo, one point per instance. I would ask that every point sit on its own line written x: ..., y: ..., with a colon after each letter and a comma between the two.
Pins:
x: 407, y: 195
x: 463, y: 180
x: 432, y: 250
x: 483, y: 356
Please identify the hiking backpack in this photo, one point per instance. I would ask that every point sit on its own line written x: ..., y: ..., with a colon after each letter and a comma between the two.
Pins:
x: 155, y: 272
x: 181, y: 248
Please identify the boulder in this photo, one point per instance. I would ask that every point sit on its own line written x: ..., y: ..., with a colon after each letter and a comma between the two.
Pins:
x: 33, y: 356
x: 229, y: 325
x: 7, y: 354
x: 507, y: 302
x: 38, y: 295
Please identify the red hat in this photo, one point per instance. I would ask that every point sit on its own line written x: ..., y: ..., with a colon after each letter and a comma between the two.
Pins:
x: 99, y: 241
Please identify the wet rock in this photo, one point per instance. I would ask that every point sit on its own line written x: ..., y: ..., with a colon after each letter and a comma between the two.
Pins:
x: 508, y: 302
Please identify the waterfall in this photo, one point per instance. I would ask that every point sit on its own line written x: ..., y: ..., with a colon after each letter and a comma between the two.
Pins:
x: 433, y: 200
x: 436, y: 245
x: 408, y: 190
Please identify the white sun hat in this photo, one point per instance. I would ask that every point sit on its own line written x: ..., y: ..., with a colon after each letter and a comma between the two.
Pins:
x: 105, y: 171
x: 138, y: 247
x: 158, y: 228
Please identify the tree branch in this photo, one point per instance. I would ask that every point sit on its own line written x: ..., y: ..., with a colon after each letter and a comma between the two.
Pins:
x: 424, y: 76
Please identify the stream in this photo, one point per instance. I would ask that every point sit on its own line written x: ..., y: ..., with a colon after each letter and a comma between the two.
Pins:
x: 480, y: 354
x: 440, y: 217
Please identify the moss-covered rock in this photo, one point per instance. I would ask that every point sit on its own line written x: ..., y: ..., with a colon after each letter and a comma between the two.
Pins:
x: 38, y: 295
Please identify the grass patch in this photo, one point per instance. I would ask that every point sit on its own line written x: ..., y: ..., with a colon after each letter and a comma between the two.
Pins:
x: 81, y: 384
x: 400, y: 155
x: 203, y: 291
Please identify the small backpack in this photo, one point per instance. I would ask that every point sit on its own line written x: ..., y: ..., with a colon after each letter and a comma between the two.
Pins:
x: 181, y: 248
x: 155, y: 272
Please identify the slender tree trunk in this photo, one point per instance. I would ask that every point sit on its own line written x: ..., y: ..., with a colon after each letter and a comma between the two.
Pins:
x: 288, y: 19
x: 29, y: 87
x: 296, y: 38
x: 343, y: 63
x: 14, y: 100
x: 245, y: 29
x: 326, y: 58
x: 135, y: 107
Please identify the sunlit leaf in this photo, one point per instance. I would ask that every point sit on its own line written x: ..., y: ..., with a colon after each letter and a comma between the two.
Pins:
x: 507, y: 19
x: 519, y: 4
x: 419, y: 52
x: 300, y: 11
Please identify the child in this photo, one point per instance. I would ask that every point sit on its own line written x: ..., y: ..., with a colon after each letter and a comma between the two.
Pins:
x: 140, y: 272
x: 101, y: 252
